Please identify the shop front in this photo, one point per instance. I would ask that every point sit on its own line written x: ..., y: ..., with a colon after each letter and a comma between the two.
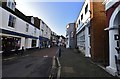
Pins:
x: 43, y: 42
x: 10, y: 43
x: 113, y: 16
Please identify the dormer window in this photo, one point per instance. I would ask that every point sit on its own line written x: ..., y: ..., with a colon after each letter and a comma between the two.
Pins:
x: 32, y: 20
x: 0, y: 3
x: 11, y: 4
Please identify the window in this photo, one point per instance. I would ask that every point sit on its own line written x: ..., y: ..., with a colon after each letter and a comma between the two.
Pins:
x: 35, y: 31
x: 10, y: 43
x: 11, y: 21
x: 0, y: 3
x: 81, y: 16
x: 11, y: 5
x: 86, y: 8
x: 77, y: 25
x: 79, y: 22
x: 42, y: 22
x: 33, y: 43
x: 27, y: 27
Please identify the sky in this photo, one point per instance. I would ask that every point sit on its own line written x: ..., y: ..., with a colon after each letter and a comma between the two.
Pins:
x: 56, y: 14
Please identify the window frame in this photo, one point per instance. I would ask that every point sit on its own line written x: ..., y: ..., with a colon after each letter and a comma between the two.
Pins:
x: 11, y: 5
x: 81, y: 17
x: 86, y: 9
x: 11, y: 21
x: 27, y: 27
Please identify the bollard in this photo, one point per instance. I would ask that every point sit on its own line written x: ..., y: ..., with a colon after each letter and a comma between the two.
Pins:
x: 59, y: 52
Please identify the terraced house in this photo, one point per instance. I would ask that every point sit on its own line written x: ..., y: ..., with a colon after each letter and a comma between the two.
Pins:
x: 45, y: 34
x: 19, y: 31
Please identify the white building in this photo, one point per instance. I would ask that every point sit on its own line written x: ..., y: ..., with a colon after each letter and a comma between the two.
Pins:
x: 113, y: 16
x: 70, y: 35
x: 17, y: 32
x: 83, y: 24
x: 45, y: 34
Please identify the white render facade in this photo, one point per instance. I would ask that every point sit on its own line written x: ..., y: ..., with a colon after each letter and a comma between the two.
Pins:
x: 19, y: 27
x: 114, y: 34
x: 45, y: 31
x: 23, y: 31
x: 70, y: 36
x: 83, y: 24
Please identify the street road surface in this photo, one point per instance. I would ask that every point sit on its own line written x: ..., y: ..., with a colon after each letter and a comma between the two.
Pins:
x: 36, y: 64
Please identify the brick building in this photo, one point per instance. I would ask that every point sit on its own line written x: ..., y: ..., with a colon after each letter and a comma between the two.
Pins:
x: 92, y: 40
x: 112, y: 8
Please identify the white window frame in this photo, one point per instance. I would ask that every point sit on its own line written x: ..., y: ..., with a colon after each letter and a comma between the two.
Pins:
x: 12, y: 21
x: 27, y: 27
x: 11, y: 5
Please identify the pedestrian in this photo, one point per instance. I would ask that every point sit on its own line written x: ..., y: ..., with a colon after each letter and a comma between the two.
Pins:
x: 59, y: 51
x: 40, y: 45
x: 22, y: 51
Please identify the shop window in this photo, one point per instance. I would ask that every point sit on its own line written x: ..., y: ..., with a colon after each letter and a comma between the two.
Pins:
x: 33, y: 43
x: 11, y: 21
x: 10, y: 43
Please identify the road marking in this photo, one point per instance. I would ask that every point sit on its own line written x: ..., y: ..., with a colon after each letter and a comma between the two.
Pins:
x: 25, y: 56
x: 13, y: 58
x: 45, y: 56
x: 9, y: 58
x: 59, y: 69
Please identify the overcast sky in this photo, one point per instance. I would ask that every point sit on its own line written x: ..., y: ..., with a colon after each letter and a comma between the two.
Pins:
x: 55, y: 14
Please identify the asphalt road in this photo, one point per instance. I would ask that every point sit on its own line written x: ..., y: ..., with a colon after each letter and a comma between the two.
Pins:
x: 36, y: 64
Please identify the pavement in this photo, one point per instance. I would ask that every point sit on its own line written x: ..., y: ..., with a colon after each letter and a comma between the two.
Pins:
x: 38, y: 63
x: 74, y: 64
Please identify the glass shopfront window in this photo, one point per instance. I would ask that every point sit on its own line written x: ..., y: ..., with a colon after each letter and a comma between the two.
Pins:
x: 10, y: 43
x: 33, y: 43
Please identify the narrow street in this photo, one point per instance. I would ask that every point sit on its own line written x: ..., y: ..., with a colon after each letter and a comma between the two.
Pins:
x: 36, y: 64
x: 39, y: 64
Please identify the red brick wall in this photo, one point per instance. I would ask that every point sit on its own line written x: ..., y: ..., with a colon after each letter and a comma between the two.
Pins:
x: 99, y: 37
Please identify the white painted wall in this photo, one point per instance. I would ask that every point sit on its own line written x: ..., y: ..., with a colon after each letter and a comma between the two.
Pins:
x: 49, y: 33
x: 84, y: 24
x: 112, y: 42
x: 0, y: 17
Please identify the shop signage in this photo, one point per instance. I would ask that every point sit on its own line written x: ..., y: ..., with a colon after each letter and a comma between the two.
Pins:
x: 116, y: 37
